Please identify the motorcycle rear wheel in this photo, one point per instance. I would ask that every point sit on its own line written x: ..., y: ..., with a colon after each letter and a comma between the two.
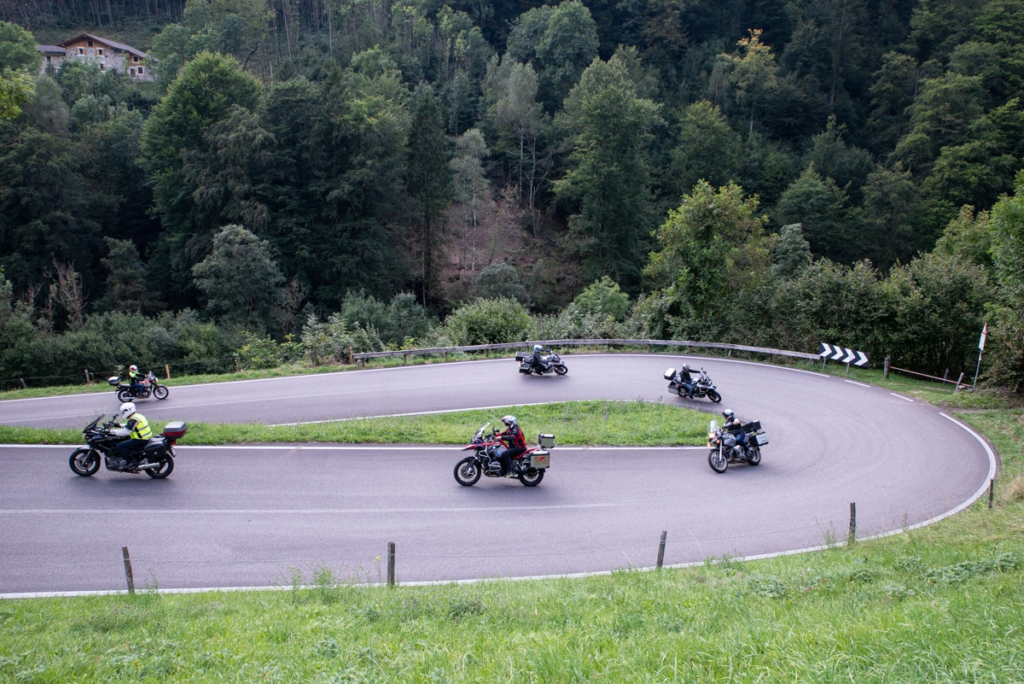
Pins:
x: 467, y: 472
x: 166, y: 466
x: 124, y: 395
x: 753, y: 456
x: 718, y: 461
x: 160, y: 392
x: 714, y: 396
x: 84, y: 462
x: 532, y: 477
x: 561, y: 370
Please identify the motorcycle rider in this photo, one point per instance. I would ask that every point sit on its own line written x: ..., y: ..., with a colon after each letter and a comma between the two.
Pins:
x: 686, y: 380
x: 136, y: 428
x: 732, y: 425
x: 538, y: 360
x: 135, y: 378
x: 513, y: 437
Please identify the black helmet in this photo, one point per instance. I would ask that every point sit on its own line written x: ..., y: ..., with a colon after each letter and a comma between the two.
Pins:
x: 728, y: 414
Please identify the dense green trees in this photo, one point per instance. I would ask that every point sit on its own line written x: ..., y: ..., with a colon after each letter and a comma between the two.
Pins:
x: 441, y: 151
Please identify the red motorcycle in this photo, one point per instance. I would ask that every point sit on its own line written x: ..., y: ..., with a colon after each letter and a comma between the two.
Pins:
x: 486, y: 459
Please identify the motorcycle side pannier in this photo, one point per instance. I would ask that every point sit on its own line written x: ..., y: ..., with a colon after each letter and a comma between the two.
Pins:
x: 540, y: 459
x: 762, y: 439
x: 114, y: 381
x: 175, y: 429
x: 546, y: 441
x: 670, y: 373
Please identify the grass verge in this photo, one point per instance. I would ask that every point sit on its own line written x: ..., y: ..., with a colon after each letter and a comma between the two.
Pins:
x: 939, y: 604
x: 633, y: 423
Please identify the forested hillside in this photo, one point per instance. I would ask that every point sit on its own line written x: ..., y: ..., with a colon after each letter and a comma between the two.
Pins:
x: 771, y: 172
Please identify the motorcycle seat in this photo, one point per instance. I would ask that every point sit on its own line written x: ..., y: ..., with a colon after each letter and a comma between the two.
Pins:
x: 154, y: 444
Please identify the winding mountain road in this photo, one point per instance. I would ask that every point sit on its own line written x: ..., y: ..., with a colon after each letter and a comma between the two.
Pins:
x: 244, y: 516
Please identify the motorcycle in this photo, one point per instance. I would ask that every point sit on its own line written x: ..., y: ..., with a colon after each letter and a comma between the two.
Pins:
x: 486, y: 459
x: 702, y: 386
x: 552, y: 363
x: 157, y: 459
x: 725, y: 449
x: 151, y: 386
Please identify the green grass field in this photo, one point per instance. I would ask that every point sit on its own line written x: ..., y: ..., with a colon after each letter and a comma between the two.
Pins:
x: 575, y: 422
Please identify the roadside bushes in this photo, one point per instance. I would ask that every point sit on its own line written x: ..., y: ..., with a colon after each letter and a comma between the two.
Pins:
x: 489, y: 321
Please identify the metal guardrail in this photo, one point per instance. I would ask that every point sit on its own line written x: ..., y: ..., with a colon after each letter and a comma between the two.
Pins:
x: 439, y: 351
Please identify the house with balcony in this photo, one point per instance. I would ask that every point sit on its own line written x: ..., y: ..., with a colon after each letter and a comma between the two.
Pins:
x: 108, y: 54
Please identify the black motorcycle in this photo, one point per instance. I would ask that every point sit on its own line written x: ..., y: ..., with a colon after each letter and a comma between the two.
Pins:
x: 702, y: 386
x: 151, y: 387
x: 157, y: 459
x: 550, y: 363
x: 726, y: 449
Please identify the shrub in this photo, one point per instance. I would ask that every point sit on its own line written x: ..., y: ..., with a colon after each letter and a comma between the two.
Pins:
x: 489, y: 321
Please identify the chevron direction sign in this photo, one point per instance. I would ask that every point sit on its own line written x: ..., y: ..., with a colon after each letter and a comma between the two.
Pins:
x: 833, y: 352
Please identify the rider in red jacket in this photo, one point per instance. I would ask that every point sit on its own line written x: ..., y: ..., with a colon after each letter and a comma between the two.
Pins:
x: 513, y: 438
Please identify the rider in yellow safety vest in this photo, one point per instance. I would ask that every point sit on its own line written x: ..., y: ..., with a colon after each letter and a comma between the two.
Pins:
x: 139, y: 433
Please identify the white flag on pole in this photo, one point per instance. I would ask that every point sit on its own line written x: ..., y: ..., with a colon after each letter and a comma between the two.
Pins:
x: 981, y: 341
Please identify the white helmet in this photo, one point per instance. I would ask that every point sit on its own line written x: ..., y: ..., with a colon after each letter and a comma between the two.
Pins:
x: 133, y: 368
x: 537, y: 347
x: 510, y: 421
x: 728, y: 414
x: 127, y: 409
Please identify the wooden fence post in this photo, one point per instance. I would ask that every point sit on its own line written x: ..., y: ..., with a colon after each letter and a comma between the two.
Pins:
x: 661, y: 549
x: 87, y: 380
x: 23, y: 385
x: 351, y: 360
x: 991, y: 491
x: 853, y: 523
x: 167, y: 370
x: 128, y: 570
x: 885, y: 368
x: 391, y: 564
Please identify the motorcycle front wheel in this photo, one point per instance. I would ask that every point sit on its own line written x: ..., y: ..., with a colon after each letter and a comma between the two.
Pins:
x: 166, y: 466
x: 561, y: 370
x: 160, y: 392
x: 714, y: 396
x: 718, y: 461
x: 467, y: 472
x: 124, y: 395
x: 84, y: 462
x: 532, y: 477
x: 753, y: 456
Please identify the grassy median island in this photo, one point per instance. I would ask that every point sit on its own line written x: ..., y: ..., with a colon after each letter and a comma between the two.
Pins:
x: 634, y: 423
x: 939, y: 604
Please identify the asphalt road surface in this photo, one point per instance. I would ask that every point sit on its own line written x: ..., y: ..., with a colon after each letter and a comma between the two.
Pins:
x: 245, y: 516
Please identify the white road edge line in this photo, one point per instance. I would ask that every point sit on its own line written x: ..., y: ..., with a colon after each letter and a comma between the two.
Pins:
x: 403, y: 415
x: 900, y: 396
x: 858, y: 384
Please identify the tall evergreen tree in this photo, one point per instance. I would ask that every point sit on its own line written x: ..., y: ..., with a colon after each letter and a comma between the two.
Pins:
x: 429, y: 181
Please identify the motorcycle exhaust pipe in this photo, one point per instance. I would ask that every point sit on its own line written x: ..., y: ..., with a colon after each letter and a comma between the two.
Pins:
x: 148, y: 465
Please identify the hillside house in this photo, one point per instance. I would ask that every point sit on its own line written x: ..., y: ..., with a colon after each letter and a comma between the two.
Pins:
x: 109, y: 54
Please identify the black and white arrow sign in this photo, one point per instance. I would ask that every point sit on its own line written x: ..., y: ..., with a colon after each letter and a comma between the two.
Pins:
x: 833, y: 352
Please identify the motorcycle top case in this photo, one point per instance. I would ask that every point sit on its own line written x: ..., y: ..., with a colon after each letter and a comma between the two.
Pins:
x: 670, y: 373
x: 521, y: 355
x: 175, y: 430
x: 752, y: 426
x: 114, y: 381
x: 546, y: 441
x: 540, y: 459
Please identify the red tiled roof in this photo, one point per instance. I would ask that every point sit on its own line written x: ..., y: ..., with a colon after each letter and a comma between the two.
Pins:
x: 106, y: 41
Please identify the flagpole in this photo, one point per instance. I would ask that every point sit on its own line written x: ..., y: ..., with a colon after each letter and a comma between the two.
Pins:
x: 981, y: 350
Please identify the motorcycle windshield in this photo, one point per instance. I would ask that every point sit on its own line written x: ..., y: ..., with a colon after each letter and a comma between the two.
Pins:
x: 713, y: 426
